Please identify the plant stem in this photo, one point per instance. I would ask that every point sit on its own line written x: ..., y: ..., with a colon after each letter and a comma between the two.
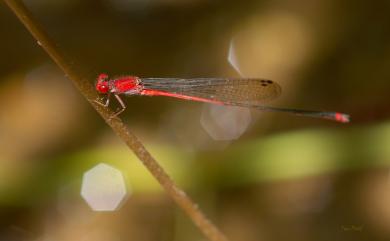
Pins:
x: 84, y: 85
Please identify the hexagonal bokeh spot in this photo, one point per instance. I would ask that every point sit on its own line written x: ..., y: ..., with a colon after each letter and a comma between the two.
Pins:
x: 225, y: 123
x: 103, y: 188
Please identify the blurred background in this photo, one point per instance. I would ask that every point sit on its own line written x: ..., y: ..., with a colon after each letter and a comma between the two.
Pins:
x: 64, y: 175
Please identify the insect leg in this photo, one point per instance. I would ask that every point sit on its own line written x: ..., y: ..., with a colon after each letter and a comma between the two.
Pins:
x: 104, y: 104
x: 120, y: 101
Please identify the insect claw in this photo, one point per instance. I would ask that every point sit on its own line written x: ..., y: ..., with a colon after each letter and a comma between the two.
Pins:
x: 115, y: 115
x: 99, y: 101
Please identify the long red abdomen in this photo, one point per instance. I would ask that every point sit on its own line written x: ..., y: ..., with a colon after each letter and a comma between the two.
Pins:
x: 125, y: 84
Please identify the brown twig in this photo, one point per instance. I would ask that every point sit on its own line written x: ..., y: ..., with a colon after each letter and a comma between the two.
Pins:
x: 85, y: 87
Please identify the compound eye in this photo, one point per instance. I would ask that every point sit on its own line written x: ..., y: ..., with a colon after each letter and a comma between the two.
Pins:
x: 102, y: 87
x: 102, y: 83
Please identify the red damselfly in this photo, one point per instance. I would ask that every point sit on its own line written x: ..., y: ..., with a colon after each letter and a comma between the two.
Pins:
x: 242, y: 92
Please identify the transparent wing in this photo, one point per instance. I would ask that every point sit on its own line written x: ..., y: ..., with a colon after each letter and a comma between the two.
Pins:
x: 239, y: 91
x: 249, y: 92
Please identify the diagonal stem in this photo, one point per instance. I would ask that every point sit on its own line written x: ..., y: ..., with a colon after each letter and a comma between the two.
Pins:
x: 85, y: 87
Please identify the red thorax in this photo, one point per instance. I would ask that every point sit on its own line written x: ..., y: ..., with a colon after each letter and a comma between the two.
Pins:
x: 118, y: 85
